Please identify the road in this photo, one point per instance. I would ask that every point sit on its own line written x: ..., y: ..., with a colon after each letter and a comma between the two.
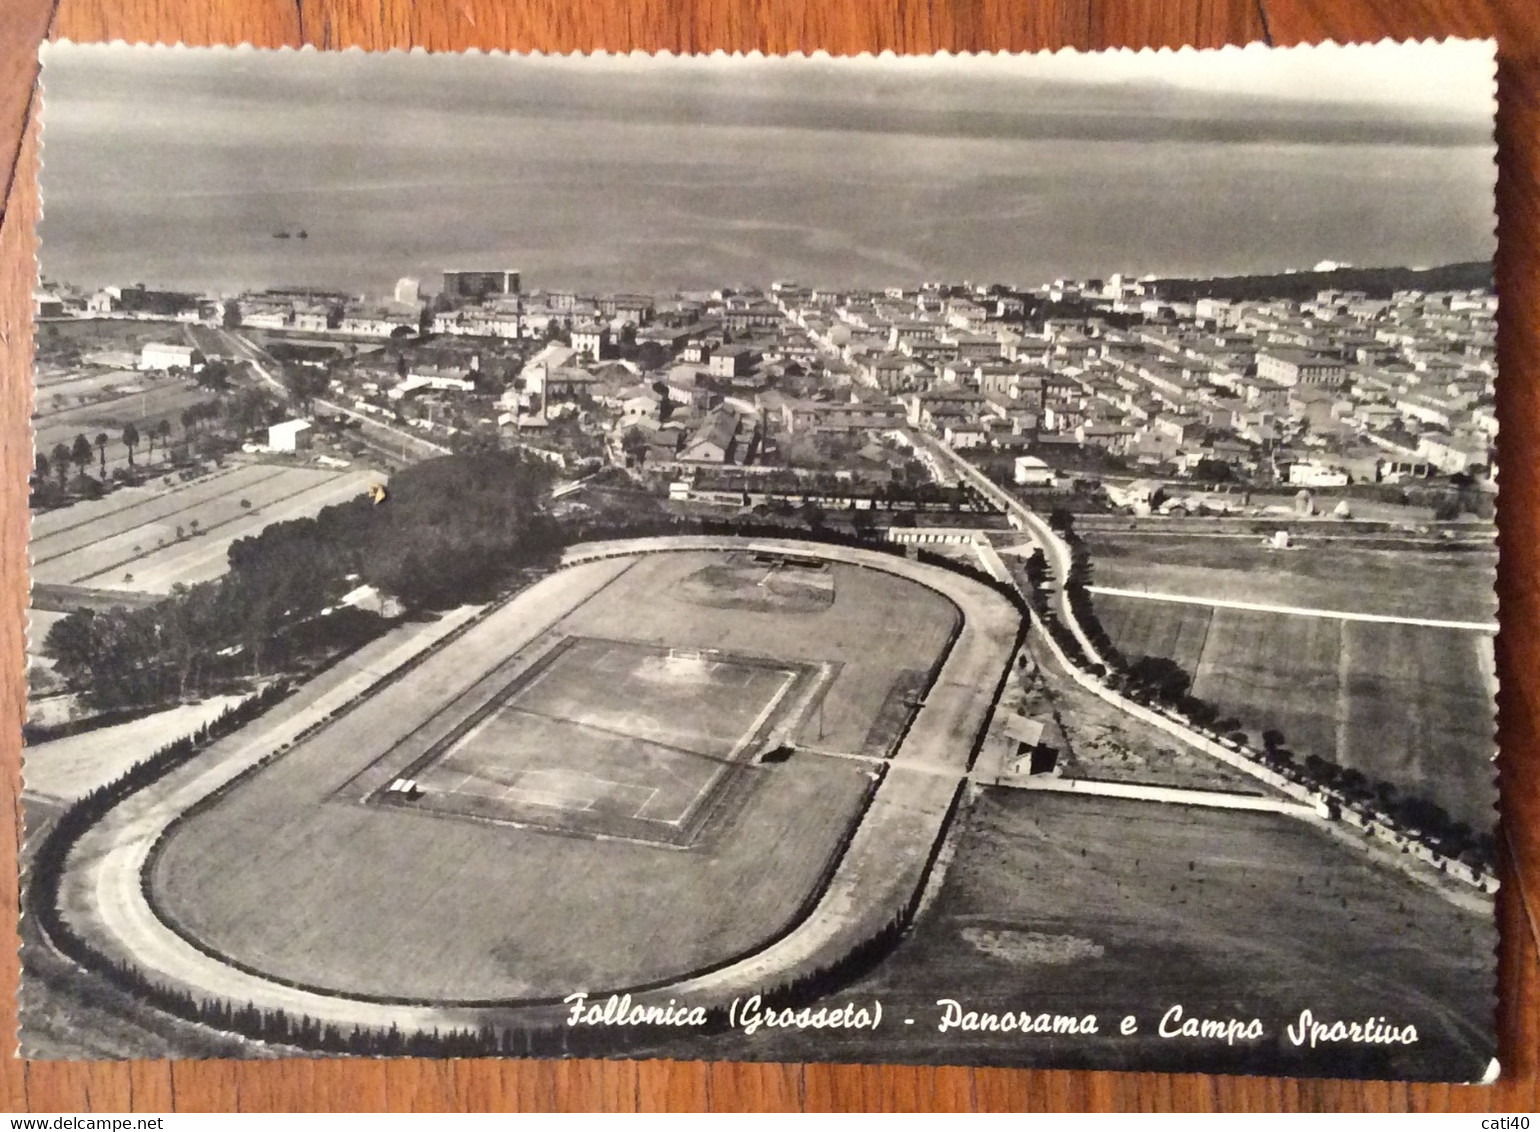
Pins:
x: 1054, y: 547
x: 373, y: 428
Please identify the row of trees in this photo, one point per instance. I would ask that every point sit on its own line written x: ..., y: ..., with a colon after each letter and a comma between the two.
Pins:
x: 83, y: 452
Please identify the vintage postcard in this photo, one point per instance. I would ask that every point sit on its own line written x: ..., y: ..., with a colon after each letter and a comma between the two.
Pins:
x: 977, y: 560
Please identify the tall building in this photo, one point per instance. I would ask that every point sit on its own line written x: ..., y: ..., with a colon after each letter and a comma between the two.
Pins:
x: 480, y: 284
x: 408, y: 290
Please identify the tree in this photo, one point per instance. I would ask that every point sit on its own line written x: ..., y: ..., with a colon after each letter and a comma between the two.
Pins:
x: 303, y: 386
x: 213, y: 375
x: 651, y: 356
x: 163, y: 433
x: 40, y: 467
x: 634, y: 444
x: 1162, y: 676
x: 101, y: 451
x: 1213, y: 471
x: 61, y: 461
x: 130, y: 441
x: 81, y: 453
x: 246, y: 411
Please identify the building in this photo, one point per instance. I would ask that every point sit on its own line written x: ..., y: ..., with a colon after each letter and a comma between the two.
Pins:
x: 1311, y: 474
x: 1300, y: 367
x: 626, y: 307
x: 451, y: 379
x: 480, y: 284
x: 381, y: 323
x: 1031, y: 755
x: 732, y: 361
x: 316, y: 319
x: 593, y: 341
x: 408, y: 291
x: 165, y: 356
x: 963, y: 434
x: 840, y: 416
x: 1033, y: 472
x: 289, y: 436
x: 719, y: 440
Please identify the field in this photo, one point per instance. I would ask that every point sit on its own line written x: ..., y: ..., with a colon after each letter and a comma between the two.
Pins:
x: 1081, y: 905
x: 59, y: 391
x: 302, y: 874
x: 1100, y: 742
x: 133, y: 398
x: 602, y: 738
x: 1407, y: 704
x: 104, y: 333
x: 73, y: 766
x: 147, y: 539
x: 1441, y: 582
x: 744, y: 581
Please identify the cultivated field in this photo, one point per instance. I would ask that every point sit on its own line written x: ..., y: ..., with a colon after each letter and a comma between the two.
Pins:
x: 143, y: 402
x: 150, y: 538
x: 302, y: 874
x: 104, y: 333
x: 75, y: 765
x: 1407, y: 704
x: 1442, y: 582
x: 65, y: 388
x: 1080, y: 905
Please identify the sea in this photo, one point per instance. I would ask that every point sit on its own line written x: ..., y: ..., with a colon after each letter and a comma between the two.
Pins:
x: 601, y: 201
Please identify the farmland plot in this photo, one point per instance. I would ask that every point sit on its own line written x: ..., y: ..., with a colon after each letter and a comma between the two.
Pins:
x: 1408, y: 704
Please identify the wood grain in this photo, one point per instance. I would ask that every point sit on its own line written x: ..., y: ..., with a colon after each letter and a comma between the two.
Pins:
x: 839, y: 27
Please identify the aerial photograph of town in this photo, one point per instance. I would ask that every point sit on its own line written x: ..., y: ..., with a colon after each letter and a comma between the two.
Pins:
x: 976, y: 561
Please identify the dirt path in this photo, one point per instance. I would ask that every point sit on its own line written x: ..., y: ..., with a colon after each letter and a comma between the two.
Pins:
x: 1296, y: 610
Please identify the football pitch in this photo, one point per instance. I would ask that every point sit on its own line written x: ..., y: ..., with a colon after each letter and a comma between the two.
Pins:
x: 606, y: 738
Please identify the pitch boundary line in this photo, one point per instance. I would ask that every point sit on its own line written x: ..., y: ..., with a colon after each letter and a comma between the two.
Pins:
x: 1297, y: 610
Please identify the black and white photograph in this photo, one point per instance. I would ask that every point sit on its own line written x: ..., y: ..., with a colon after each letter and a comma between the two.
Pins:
x: 973, y: 560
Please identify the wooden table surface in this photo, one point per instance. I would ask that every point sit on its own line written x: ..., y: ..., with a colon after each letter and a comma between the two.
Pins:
x: 778, y: 26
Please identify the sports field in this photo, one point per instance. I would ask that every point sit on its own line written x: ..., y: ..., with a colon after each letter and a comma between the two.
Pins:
x: 149, y: 538
x: 605, y: 681
x: 761, y: 582
x: 605, y: 738
x: 1407, y: 704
